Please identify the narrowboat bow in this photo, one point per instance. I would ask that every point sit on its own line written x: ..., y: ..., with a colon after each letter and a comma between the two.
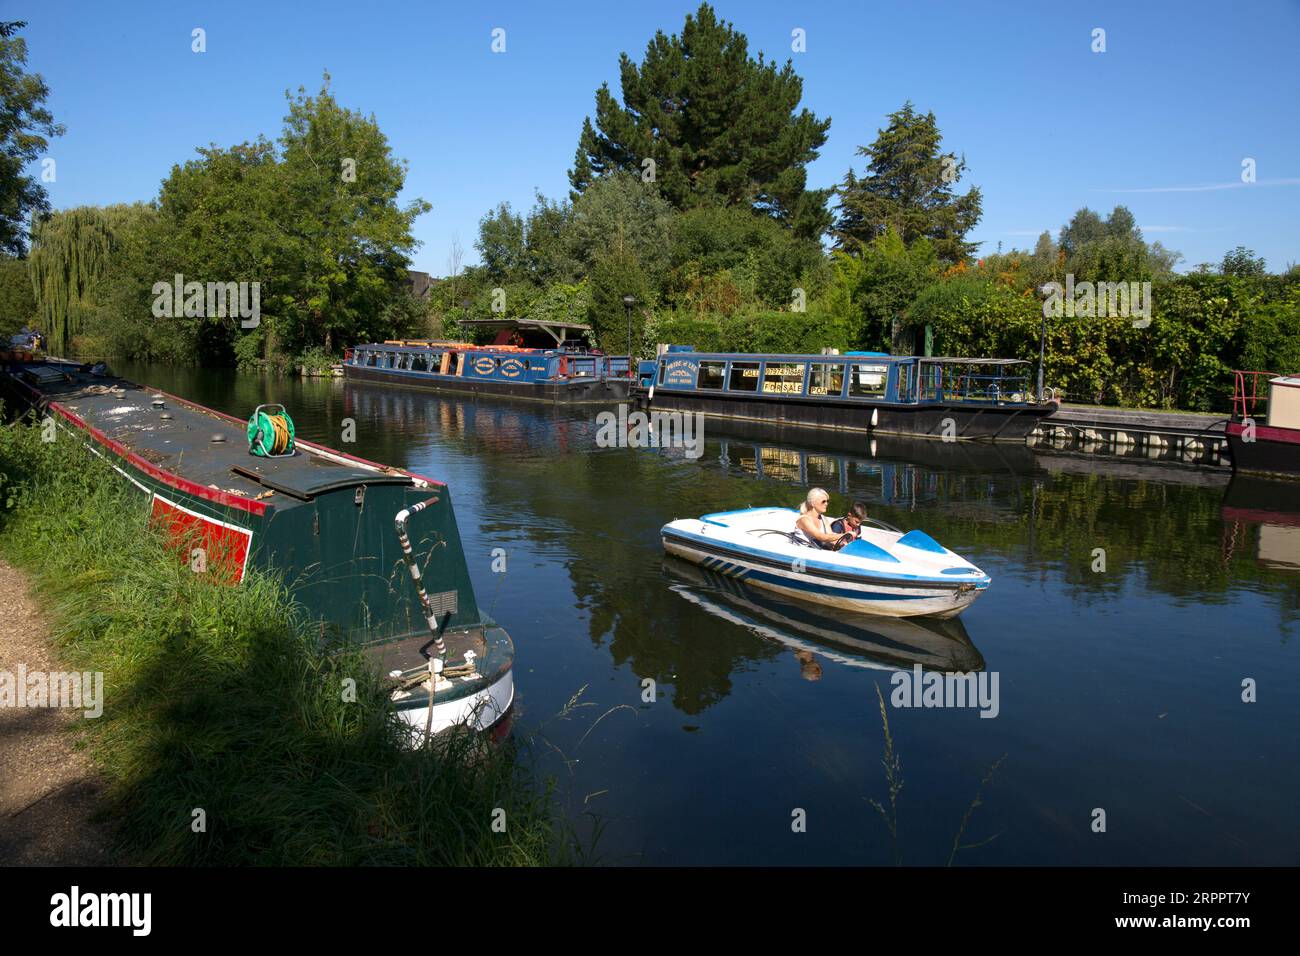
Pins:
x: 884, y: 572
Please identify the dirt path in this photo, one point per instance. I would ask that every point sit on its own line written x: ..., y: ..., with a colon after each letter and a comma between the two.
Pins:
x: 49, y: 791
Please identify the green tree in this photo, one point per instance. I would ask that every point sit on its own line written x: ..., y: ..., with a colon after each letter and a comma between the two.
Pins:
x: 620, y: 211
x: 617, y: 273
x: 17, y: 304
x: 72, y: 253
x: 877, y: 288
x: 908, y: 187
x: 1242, y: 262
x: 501, y: 244
x: 719, y: 126
x: 25, y: 125
x: 348, y: 241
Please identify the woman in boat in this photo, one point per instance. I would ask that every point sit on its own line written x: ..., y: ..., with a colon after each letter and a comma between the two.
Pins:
x: 812, y: 528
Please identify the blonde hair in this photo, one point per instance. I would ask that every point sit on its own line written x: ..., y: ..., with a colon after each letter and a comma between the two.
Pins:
x: 807, y: 505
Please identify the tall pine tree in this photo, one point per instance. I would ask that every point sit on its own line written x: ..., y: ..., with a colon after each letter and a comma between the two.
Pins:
x: 908, y: 186
x: 720, y: 127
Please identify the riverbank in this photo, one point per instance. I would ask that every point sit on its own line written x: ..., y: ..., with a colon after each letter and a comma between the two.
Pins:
x: 51, y: 793
x: 226, y: 737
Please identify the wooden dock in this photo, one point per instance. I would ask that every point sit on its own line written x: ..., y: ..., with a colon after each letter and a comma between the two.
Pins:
x: 1186, y: 437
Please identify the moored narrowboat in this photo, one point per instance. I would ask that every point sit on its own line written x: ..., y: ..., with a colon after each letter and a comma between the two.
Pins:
x: 340, y: 531
x: 539, y: 374
x: 1264, y: 432
x: 866, y: 392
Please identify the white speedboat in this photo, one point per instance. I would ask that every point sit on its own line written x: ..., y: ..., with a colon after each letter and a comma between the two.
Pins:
x: 884, y: 572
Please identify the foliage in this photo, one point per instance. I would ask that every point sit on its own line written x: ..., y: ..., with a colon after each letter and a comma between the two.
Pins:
x: 719, y: 126
x: 313, y: 220
x: 72, y: 252
x: 17, y: 304
x: 1242, y: 262
x: 908, y: 189
x: 617, y: 274
x: 25, y: 128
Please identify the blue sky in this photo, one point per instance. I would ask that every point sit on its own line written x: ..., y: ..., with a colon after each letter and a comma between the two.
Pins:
x: 1161, y: 121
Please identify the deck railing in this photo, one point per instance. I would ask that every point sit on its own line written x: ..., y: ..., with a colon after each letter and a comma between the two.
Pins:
x: 1248, y: 396
x: 973, y: 388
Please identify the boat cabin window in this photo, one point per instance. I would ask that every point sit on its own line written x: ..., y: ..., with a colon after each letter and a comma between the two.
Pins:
x: 743, y: 377
x: 711, y: 375
x: 784, y: 377
x: 826, y: 379
x: 372, y: 359
x: 868, y: 381
x: 420, y: 363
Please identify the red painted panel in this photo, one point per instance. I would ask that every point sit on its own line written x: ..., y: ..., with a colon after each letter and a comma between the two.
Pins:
x: 225, y: 546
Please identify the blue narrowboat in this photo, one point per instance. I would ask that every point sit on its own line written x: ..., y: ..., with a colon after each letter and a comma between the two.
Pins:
x: 549, y: 375
x: 866, y: 392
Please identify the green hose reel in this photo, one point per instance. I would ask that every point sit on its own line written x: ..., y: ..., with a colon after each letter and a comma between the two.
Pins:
x: 270, y: 433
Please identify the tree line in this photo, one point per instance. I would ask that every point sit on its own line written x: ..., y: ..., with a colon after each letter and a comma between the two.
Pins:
x: 689, y: 193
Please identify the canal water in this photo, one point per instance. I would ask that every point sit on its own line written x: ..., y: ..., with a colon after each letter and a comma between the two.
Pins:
x: 687, y: 720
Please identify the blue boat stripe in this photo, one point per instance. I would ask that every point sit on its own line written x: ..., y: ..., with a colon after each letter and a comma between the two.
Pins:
x: 838, y: 572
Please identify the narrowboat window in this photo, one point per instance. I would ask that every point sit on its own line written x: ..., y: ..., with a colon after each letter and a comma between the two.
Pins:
x: 372, y: 359
x: 663, y: 370
x: 785, y: 378
x: 711, y: 375
x: 744, y: 377
x: 826, y: 380
x: 419, y: 364
x: 868, y: 381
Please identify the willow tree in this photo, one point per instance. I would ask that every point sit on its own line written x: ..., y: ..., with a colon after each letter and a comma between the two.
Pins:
x: 71, y: 252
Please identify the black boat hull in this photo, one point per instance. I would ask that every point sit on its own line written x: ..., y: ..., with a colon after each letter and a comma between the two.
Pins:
x: 952, y: 422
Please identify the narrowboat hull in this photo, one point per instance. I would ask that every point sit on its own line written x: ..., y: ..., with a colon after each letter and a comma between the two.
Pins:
x: 567, y: 391
x: 321, y: 520
x: 950, y: 422
x: 1273, y: 452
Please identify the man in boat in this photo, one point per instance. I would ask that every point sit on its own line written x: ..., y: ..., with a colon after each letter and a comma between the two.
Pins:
x: 851, y: 523
x: 812, y: 528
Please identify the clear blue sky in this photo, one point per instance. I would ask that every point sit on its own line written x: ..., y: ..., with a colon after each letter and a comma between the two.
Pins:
x: 1159, y: 122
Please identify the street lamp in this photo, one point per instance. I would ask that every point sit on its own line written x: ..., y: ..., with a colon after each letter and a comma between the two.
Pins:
x: 1043, y: 290
x: 628, y: 302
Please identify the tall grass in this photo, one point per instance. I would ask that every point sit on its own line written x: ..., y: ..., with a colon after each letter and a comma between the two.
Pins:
x: 227, y: 736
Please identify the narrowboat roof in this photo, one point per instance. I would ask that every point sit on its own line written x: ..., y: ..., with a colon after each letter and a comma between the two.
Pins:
x: 410, y: 346
x: 857, y: 359
x: 180, y: 449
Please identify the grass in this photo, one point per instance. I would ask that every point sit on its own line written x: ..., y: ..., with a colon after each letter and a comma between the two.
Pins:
x: 227, y: 737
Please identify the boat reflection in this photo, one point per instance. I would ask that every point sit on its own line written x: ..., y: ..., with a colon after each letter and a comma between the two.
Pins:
x: 854, y: 640
x: 1263, y: 515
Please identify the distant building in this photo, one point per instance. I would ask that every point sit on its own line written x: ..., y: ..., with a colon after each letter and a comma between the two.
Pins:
x: 421, y: 283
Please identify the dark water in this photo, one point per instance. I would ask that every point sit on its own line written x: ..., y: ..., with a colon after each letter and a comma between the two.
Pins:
x: 1119, y: 690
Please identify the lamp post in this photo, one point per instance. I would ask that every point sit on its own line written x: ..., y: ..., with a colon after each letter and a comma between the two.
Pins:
x: 628, y: 302
x: 1044, y: 291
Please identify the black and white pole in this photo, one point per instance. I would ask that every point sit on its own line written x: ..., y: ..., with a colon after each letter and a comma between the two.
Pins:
x: 409, y: 556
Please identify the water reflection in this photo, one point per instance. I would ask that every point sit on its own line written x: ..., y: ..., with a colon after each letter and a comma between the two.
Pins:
x: 1262, y: 517
x: 853, y: 640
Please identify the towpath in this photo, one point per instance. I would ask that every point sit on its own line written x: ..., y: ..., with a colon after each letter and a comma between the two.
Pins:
x: 50, y: 792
